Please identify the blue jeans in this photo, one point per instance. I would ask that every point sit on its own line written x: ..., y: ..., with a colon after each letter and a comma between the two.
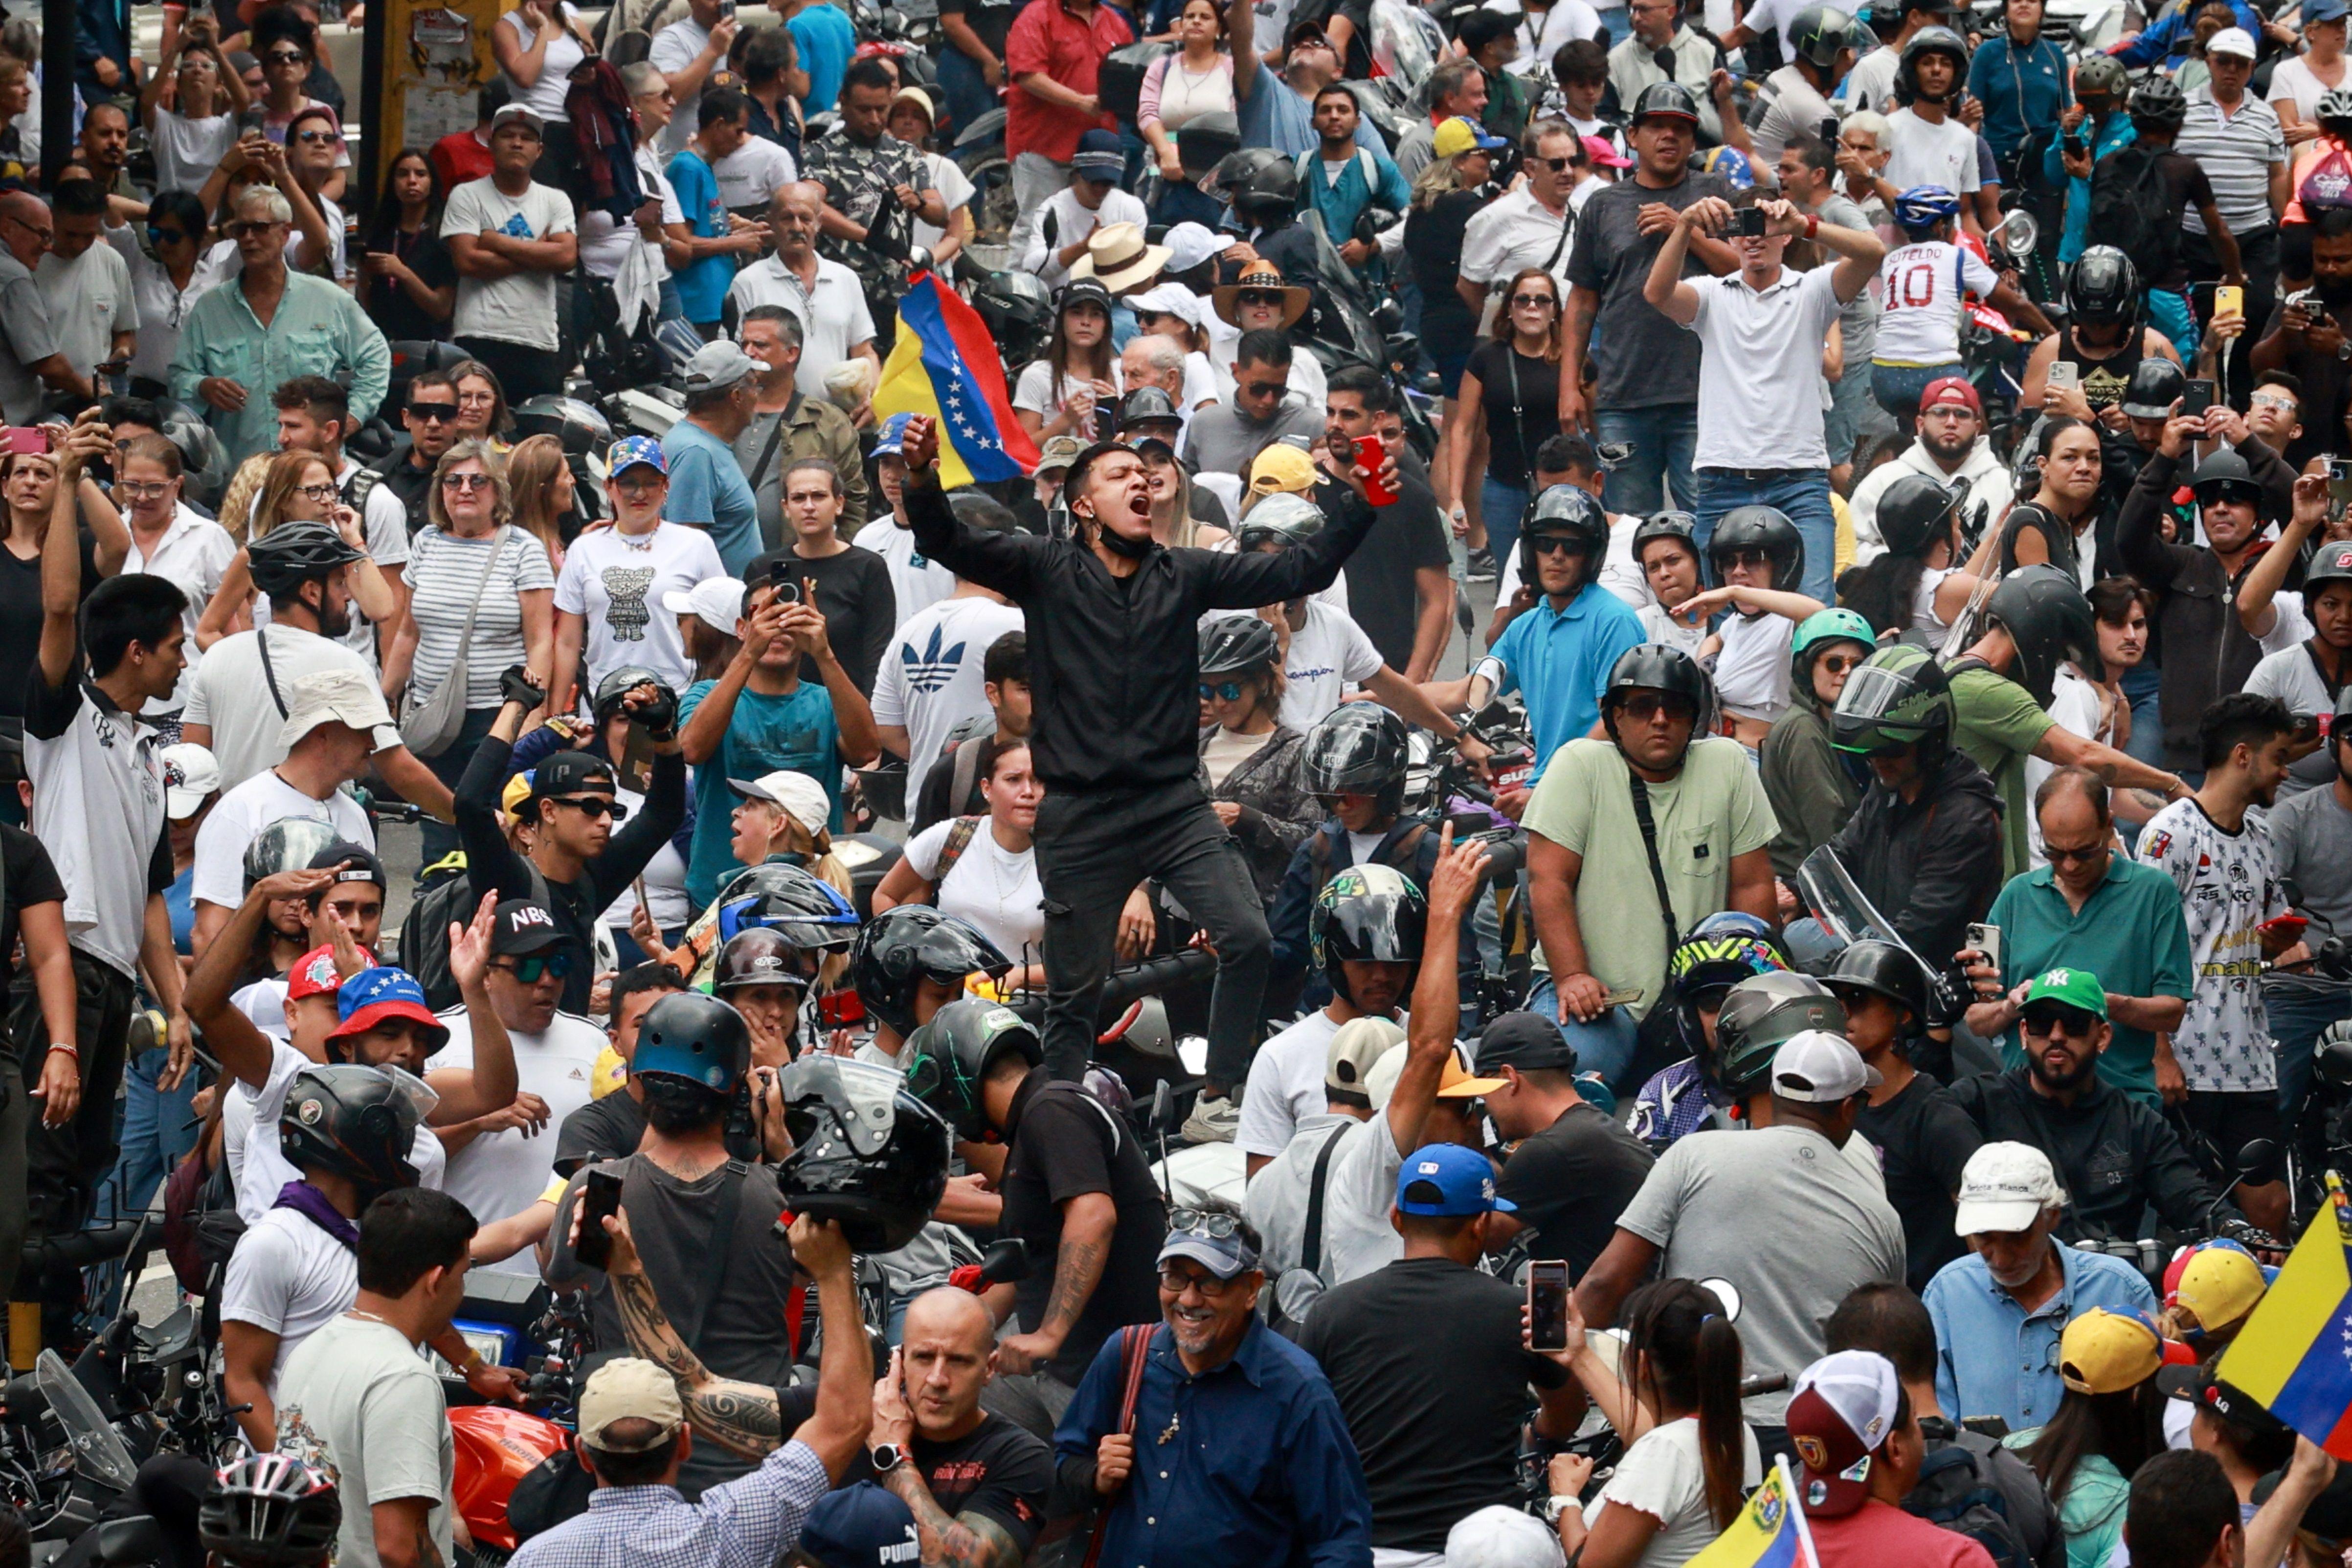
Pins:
x: 2299, y: 1011
x: 2141, y: 684
x: 158, y: 1129
x: 1501, y: 506
x: 1802, y: 493
x: 1183, y: 202
x: 1618, y: 21
x: 969, y: 96
x: 1604, y: 1045
x: 439, y: 837
x: 1664, y: 439
x: 1899, y: 387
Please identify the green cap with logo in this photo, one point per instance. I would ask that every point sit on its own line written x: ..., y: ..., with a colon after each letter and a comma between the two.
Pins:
x: 2077, y: 988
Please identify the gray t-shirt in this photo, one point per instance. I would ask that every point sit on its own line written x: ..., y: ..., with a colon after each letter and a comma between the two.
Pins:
x: 1643, y: 360
x: 2290, y: 675
x: 1221, y: 441
x: 357, y: 1400
x: 2311, y: 841
x: 29, y: 339
x: 768, y: 489
x: 1860, y: 317
x: 1744, y: 1207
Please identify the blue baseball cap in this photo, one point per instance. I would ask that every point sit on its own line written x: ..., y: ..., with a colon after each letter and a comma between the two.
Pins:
x: 635, y: 452
x: 864, y: 1526
x: 891, y: 441
x: 1448, y: 1181
x: 377, y: 995
x: 2325, y: 10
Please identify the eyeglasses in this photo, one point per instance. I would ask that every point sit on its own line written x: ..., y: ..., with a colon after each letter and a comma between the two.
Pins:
x: 322, y: 494
x: 1175, y: 1281
x: 2275, y: 403
x: 1273, y: 296
x: 313, y: 138
x: 465, y: 482
x: 2070, y: 1021
x: 2084, y: 856
x: 133, y: 491
x: 1839, y: 663
x: 590, y: 804
x: 1644, y: 705
x: 1541, y: 301
x: 1555, y: 545
x: 1222, y: 691
x: 1213, y: 1224
x: 433, y: 412
x: 40, y: 232
x: 530, y: 971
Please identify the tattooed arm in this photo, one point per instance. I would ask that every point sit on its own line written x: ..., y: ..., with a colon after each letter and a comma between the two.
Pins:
x: 949, y: 1541
x: 1087, y: 1222
x: 403, y: 1533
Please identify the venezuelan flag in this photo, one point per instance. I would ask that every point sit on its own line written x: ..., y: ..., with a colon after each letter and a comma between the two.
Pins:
x: 2294, y: 1354
x: 1768, y: 1533
x: 946, y: 367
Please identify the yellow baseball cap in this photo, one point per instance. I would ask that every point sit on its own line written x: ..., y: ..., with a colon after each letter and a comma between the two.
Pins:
x: 1283, y: 469
x: 1457, y: 135
x: 2220, y: 1286
x: 2106, y: 1353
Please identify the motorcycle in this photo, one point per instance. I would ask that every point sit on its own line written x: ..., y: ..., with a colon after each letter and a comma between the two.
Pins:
x: 1343, y: 326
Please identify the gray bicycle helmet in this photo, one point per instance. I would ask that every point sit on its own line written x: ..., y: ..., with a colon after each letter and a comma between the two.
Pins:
x: 1237, y: 644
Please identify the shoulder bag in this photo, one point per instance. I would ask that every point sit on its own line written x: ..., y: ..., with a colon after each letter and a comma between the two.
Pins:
x: 430, y: 725
x: 1135, y: 1351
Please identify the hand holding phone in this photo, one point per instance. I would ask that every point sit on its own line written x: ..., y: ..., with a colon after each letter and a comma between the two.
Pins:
x: 599, y: 1199
x: 1372, y: 452
x: 1548, y: 1305
x: 1986, y: 940
x: 2064, y: 373
x: 2196, y: 399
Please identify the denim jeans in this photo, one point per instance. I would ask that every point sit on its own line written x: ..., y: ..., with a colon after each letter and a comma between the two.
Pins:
x: 439, y: 837
x: 2298, y: 1011
x: 1899, y: 387
x: 1501, y: 506
x: 158, y: 1128
x: 1802, y: 493
x: 1604, y: 1045
x: 969, y: 96
x: 1664, y: 439
x: 2141, y: 684
x: 1183, y: 202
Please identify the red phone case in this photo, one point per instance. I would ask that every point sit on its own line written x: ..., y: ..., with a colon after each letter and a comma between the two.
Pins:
x: 1372, y: 452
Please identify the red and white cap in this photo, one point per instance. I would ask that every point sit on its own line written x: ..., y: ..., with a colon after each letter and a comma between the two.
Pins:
x: 1842, y: 1412
x: 1952, y: 389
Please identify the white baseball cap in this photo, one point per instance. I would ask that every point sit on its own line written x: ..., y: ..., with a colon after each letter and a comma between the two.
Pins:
x: 2231, y: 41
x: 1821, y: 1069
x: 1499, y: 1537
x: 798, y: 795
x: 338, y: 697
x: 2005, y: 1187
x: 716, y: 602
x: 192, y: 775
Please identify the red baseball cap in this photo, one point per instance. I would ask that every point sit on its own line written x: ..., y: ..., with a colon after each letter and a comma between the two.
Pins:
x: 1951, y: 389
x: 313, y: 974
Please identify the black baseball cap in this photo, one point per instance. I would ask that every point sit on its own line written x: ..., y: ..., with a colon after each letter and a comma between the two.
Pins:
x: 2201, y: 1388
x: 352, y: 863
x: 522, y: 928
x: 1527, y: 1041
x: 568, y: 773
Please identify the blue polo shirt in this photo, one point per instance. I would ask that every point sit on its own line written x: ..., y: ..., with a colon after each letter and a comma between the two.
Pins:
x: 1561, y: 660
x: 2023, y: 90
x: 1993, y: 1358
x: 2129, y: 933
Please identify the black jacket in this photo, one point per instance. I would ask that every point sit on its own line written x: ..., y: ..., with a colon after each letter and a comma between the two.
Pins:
x: 1114, y: 662
x: 1932, y: 865
x: 2115, y: 1156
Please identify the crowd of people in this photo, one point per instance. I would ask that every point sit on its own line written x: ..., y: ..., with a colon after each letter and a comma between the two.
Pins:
x: 1837, y: 977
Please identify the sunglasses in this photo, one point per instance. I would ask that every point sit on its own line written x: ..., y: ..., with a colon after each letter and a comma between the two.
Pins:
x: 1554, y: 165
x: 245, y: 228
x: 2070, y: 1021
x: 590, y: 804
x: 312, y: 138
x: 1214, y: 1224
x: 1555, y: 545
x: 285, y: 57
x: 532, y: 971
x: 1839, y: 663
x: 1643, y: 706
x: 1540, y: 302
x: 2058, y: 857
x: 1264, y: 389
x: 465, y: 482
x: 1225, y: 691
x: 1742, y: 558
x: 433, y: 412
x: 156, y: 236
x: 1273, y: 296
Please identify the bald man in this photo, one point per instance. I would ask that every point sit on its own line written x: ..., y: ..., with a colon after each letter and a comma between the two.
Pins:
x: 31, y: 362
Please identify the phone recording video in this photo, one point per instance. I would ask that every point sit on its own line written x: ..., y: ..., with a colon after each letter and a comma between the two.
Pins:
x: 1548, y: 1305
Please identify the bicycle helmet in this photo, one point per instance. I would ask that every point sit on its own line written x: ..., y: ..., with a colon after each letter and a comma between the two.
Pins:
x: 1565, y: 511
x: 1818, y: 35
x: 270, y: 1510
x: 804, y: 906
x: 2042, y: 609
x: 1815, y: 633
x: 1885, y: 970
x: 1370, y: 913
x: 289, y: 844
x: 1758, y: 1016
x: 1937, y: 40
x: 948, y: 1058
x: 1019, y: 311
x: 1913, y: 512
x: 2101, y: 75
x: 1237, y: 644
x: 2159, y: 103
x: 356, y: 1122
x: 1278, y: 518
x: 1679, y: 526
x: 696, y: 1038
x: 294, y: 554
x: 2103, y: 287
x: 1898, y: 698
x: 2155, y: 385
x: 1718, y: 954
x: 1358, y: 748
x: 762, y: 955
x: 1922, y: 207
x: 1658, y: 666
x: 1764, y: 527
x: 866, y: 1152
x: 2335, y: 107
x: 2225, y: 476
x: 903, y: 946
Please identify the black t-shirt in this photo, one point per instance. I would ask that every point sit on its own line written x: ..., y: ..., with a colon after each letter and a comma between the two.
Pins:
x: 1404, y: 537
x: 611, y: 1126
x: 20, y: 620
x: 861, y: 610
x: 30, y: 880
x: 1432, y: 238
x: 398, y: 316
x: 1520, y: 413
x: 1425, y: 1359
x: 996, y: 1470
x: 1571, y: 1181
x: 1064, y: 1144
x: 990, y: 21
x: 1924, y: 1141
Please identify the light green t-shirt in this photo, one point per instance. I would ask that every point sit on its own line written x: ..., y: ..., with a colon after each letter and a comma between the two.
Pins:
x: 1715, y: 809
x: 2000, y: 725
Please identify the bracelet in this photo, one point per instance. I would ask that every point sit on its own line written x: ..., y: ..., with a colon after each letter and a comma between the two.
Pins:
x: 1812, y: 225
x: 69, y: 1050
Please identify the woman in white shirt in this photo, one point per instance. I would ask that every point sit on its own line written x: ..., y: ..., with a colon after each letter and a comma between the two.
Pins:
x: 1080, y: 379
x: 609, y: 593
x: 168, y: 274
x: 1673, y: 1393
x: 200, y: 125
x: 1918, y: 585
x: 1196, y: 78
x: 2298, y: 83
x: 538, y: 44
x: 983, y: 869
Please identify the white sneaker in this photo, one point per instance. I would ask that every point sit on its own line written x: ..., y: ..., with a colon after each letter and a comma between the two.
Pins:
x: 1215, y: 1119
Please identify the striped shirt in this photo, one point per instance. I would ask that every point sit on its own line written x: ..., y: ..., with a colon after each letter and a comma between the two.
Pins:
x: 2236, y: 154
x: 443, y: 571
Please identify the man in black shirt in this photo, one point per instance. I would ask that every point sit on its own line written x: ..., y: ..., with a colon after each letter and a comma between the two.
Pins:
x: 1399, y: 588
x: 1426, y: 1359
x: 430, y: 416
x: 851, y: 583
x: 1575, y: 1169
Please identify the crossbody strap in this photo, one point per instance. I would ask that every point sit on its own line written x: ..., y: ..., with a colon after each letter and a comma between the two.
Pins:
x: 268, y: 672
x: 1649, y: 844
x: 714, y: 1262
x: 497, y: 548
x: 768, y: 452
x: 1311, y: 1256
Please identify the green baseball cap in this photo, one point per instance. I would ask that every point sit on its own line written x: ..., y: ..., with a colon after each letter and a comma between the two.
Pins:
x: 2077, y: 988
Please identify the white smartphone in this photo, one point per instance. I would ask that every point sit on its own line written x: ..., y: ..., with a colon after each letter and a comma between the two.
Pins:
x: 2065, y: 373
x: 1986, y: 940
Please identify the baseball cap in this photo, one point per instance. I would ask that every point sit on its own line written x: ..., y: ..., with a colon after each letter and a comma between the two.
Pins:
x: 313, y: 974
x: 1817, y: 1067
x: 2199, y: 1386
x: 2325, y: 11
x: 1457, y: 135
x: 1059, y: 452
x: 2221, y: 1285
x: 1950, y: 389
x: 716, y: 365
x: 1282, y: 469
x: 517, y: 112
x: 1098, y: 158
x: 716, y: 602
x: 1191, y: 244
x: 1602, y: 155
x: 514, y: 793
x: 2005, y: 1187
x: 628, y: 1388
x: 1356, y: 1047
x: 891, y: 441
x: 377, y: 996
x: 1841, y: 1411
x: 1170, y: 299
x: 1527, y: 1041
x: 1223, y: 1255
x: 352, y: 863
x: 1456, y: 1082
x: 336, y: 697
x: 567, y: 772
x: 192, y: 775
x: 2076, y: 988
x: 1500, y: 1537
x: 1448, y: 1181
x: 862, y: 1526
x: 799, y: 795
x: 521, y: 928
x: 2106, y: 1353
x: 2231, y: 41
x: 637, y: 452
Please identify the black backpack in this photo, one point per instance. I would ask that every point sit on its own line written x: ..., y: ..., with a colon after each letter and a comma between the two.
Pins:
x: 424, y: 934
x: 1956, y: 1491
x: 2132, y: 209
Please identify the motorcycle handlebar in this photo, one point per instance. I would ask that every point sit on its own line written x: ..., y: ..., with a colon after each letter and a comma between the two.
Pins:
x: 1148, y: 978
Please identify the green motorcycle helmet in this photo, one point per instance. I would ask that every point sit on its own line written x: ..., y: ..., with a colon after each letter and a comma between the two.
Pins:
x: 950, y: 1057
x: 1898, y: 698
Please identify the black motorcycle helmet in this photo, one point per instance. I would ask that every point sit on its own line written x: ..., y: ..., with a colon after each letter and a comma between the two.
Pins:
x: 2103, y: 288
x: 699, y: 1039
x: 1758, y: 1016
x: 2225, y: 476
x: 1818, y: 35
x: 2331, y: 1055
x: 2157, y: 103
x: 1680, y: 526
x: 355, y: 1121
x: 1269, y: 196
x: 1657, y: 667
x: 1565, y: 511
x: 1370, y: 913
x: 796, y: 902
x: 578, y: 425
x: 1900, y: 697
x: 294, y: 554
x: 1206, y: 141
x: 1018, y: 311
x: 903, y: 945
x: 1278, y: 518
x: 1884, y: 970
x: 948, y: 1058
x: 2042, y: 609
x: 1358, y: 748
x: 867, y: 1153
x: 1147, y: 405
x: 1931, y: 41
x: 762, y: 955
x: 289, y: 844
x: 2155, y: 385
x: 616, y: 687
x: 1236, y: 645
x: 1764, y: 527
x: 1913, y: 512
x: 270, y: 1510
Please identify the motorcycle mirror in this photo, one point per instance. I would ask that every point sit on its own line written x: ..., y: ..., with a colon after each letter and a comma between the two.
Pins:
x: 2019, y: 234
x: 1006, y: 1261
x: 2256, y: 1156
x: 2291, y: 891
x: 1725, y: 1292
x: 1160, y: 1098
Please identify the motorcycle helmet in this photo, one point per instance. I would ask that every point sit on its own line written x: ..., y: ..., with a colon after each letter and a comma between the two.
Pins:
x: 578, y: 425
x: 804, y: 906
x: 2155, y: 385
x: 1922, y: 207
x: 2101, y: 75
x: 1565, y: 511
x: 1370, y: 913
x: 2103, y: 286
x: 1937, y: 40
x: 2225, y: 476
x: 948, y: 1058
x: 1763, y: 527
x: 1237, y: 644
x: 762, y: 955
x: 1898, y: 698
x: 1680, y: 526
x: 866, y: 1152
x: 1019, y: 311
x: 1913, y: 512
x: 1717, y: 955
x: 294, y: 554
x: 1667, y: 97
x: 616, y: 687
x: 1757, y: 1017
x: 1269, y: 195
x: 1147, y: 405
x: 289, y: 844
x: 358, y: 1123
x: 2157, y: 103
x: 1884, y: 970
x: 2329, y: 563
x: 904, y: 945
x: 696, y: 1038
x: 2334, y: 111
x: 1234, y: 171
x: 1658, y: 666
x: 1206, y: 141
x: 1818, y: 35
x: 2042, y: 609
x: 1278, y: 518
x: 270, y: 1510
x: 2331, y: 1057
x: 1814, y: 633
x: 1358, y: 748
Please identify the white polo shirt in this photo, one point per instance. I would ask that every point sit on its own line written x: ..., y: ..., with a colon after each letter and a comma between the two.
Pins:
x: 501, y: 1173
x: 97, y: 808
x: 194, y: 557
x: 242, y: 812
x: 1514, y: 232
x: 1759, y: 345
x: 832, y: 314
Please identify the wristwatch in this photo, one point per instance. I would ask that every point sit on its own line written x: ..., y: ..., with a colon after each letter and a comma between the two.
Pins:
x: 886, y: 1457
x: 1557, y: 1504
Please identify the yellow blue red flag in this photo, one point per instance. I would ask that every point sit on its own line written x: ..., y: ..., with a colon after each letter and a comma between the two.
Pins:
x: 2294, y: 1354
x: 947, y: 367
x: 1768, y: 1533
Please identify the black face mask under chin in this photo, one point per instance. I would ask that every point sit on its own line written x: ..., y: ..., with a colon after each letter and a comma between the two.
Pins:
x: 2335, y: 290
x: 1119, y: 543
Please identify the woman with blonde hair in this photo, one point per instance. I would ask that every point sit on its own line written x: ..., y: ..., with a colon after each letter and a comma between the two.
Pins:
x: 1510, y: 389
x: 292, y: 487
x: 541, y: 481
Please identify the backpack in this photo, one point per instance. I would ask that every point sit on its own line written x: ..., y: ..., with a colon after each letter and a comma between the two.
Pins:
x: 2132, y: 209
x: 1956, y: 1491
x: 424, y: 934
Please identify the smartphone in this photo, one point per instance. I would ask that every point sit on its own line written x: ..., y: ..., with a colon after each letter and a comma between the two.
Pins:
x: 2286, y: 928
x: 1372, y: 452
x: 601, y: 1197
x: 2196, y: 399
x: 2065, y: 373
x: 249, y: 121
x: 1547, y: 1304
x: 780, y: 578
x: 30, y: 439
x: 1749, y: 222
x: 840, y: 1009
x: 637, y: 769
x: 726, y: 10
x: 2230, y: 300
x: 1986, y: 940
x: 2340, y: 471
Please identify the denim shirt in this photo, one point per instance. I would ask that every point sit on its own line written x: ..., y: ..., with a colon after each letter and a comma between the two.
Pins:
x: 1993, y: 1358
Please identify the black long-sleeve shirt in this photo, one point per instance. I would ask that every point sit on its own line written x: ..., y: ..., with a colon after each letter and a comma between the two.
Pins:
x: 1115, y: 662
x: 491, y: 866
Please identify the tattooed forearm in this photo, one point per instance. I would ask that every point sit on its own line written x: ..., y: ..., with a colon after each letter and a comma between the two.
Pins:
x: 1077, y: 1269
x: 745, y: 1419
x: 650, y: 1333
x: 949, y: 1541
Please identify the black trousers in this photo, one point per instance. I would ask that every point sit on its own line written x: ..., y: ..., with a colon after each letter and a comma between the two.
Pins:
x: 2258, y: 257
x: 523, y: 372
x: 1093, y: 847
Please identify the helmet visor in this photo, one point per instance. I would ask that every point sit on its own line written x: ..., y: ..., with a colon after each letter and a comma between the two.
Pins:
x: 1351, y: 759
x: 1870, y: 718
x: 862, y: 1095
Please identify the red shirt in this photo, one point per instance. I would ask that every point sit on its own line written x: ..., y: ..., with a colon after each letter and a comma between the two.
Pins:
x: 459, y: 157
x: 1877, y: 1534
x: 1047, y: 39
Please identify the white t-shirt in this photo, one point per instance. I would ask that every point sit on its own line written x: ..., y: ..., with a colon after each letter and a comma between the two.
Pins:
x: 1870, y: 83
x: 265, y: 1169
x: 1307, y: 377
x: 617, y: 581
x: 1924, y: 617
x: 1285, y: 1084
x: 242, y: 812
x: 1664, y: 1475
x: 1327, y: 655
x: 1620, y: 572
x: 2227, y: 889
x: 231, y: 693
x: 993, y: 889
x: 501, y: 1173
x: 1920, y: 153
x: 1919, y: 314
x: 915, y: 581
x: 605, y: 244
x: 674, y: 48
x: 1224, y: 749
x: 1752, y: 672
x: 289, y: 1278
x: 933, y: 677
x: 663, y: 879
x: 263, y: 1003
x: 833, y: 312
x: 1035, y: 389
x: 90, y: 300
x: 520, y: 309
x: 750, y: 176
x: 361, y: 1403
x: 954, y: 190
x: 1756, y: 346
x: 2292, y: 81
x: 1659, y: 626
x: 193, y: 554
x: 187, y: 151
x: 544, y: 97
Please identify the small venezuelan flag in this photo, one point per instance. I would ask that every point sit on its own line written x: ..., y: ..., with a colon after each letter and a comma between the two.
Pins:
x: 1768, y: 1533
x: 946, y: 367
x: 2294, y: 1354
